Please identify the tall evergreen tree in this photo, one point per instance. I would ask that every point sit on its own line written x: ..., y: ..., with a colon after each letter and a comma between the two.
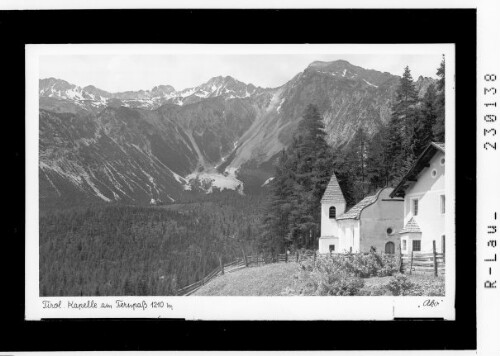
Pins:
x: 402, y: 126
x: 343, y: 167
x: 378, y: 165
x: 301, y: 176
x: 426, y: 121
x: 356, y: 154
x: 438, y: 128
x: 311, y: 180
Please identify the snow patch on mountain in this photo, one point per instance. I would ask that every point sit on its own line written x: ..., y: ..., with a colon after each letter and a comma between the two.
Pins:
x: 269, y: 180
x: 370, y: 84
x: 227, y: 87
x: 179, y: 178
x: 278, y: 109
x: 206, y: 181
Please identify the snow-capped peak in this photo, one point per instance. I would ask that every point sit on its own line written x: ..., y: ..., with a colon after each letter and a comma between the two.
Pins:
x: 226, y: 87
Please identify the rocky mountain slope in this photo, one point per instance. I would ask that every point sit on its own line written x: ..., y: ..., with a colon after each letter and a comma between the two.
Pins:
x: 165, y: 145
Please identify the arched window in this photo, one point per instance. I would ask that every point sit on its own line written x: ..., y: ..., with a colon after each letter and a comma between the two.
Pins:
x: 389, y: 247
x: 333, y: 212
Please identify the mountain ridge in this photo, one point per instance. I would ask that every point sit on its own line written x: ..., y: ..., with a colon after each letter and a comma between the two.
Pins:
x: 92, y: 97
x: 163, y: 145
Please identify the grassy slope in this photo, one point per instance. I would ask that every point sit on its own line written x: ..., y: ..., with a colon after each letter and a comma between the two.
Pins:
x: 268, y: 280
x: 427, y: 282
x: 272, y: 279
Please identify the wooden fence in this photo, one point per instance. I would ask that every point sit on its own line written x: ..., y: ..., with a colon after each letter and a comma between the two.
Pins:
x: 424, y: 263
x: 415, y: 263
x: 251, y: 261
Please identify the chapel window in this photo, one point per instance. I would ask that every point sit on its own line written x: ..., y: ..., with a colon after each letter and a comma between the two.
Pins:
x: 333, y: 212
x: 415, y: 207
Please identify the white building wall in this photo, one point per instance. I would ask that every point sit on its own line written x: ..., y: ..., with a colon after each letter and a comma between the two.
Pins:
x: 375, y: 219
x: 349, y: 235
x: 325, y: 242
x: 329, y: 226
x: 428, y: 190
x: 407, y: 241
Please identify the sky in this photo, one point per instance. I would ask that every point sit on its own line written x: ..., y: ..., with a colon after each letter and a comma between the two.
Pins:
x: 115, y: 73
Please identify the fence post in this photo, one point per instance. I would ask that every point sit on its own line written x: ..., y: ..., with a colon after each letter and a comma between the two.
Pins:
x: 444, y: 249
x: 286, y: 256
x: 245, y: 257
x: 434, y: 257
x: 400, y: 259
x: 411, y: 261
x: 221, y: 265
x: 297, y: 256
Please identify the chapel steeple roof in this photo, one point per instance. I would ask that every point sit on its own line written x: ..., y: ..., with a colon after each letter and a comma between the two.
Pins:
x: 333, y: 193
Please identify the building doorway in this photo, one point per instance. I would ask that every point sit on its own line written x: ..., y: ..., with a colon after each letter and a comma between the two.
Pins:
x: 390, y: 248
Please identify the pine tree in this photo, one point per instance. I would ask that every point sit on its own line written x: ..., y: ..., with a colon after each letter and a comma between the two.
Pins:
x: 275, y: 227
x: 406, y: 95
x: 439, y: 126
x: 312, y: 156
x: 301, y: 176
x: 402, y: 126
x: 342, y: 165
x: 356, y: 154
x: 426, y: 121
x: 377, y: 163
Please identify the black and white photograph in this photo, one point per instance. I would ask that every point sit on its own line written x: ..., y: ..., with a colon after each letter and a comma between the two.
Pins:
x: 221, y: 176
x: 237, y: 170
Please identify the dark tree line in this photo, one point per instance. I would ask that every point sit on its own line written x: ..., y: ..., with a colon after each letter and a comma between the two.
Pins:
x: 368, y: 162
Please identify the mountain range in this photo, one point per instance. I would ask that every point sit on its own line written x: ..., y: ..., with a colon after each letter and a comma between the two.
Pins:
x: 165, y: 145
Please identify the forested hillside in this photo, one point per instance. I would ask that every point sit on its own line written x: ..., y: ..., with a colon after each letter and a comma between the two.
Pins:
x: 126, y: 250
x: 366, y: 163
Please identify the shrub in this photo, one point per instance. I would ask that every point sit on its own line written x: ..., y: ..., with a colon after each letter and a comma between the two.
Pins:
x: 367, y: 265
x: 325, y: 277
x: 429, y: 287
x: 433, y: 289
x: 374, y: 291
x: 342, y: 274
x: 400, y: 285
x: 421, y: 286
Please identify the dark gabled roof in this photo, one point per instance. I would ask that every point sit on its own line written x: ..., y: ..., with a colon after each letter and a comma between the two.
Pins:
x: 333, y: 193
x: 411, y: 226
x: 355, y: 211
x: 417, y: 167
